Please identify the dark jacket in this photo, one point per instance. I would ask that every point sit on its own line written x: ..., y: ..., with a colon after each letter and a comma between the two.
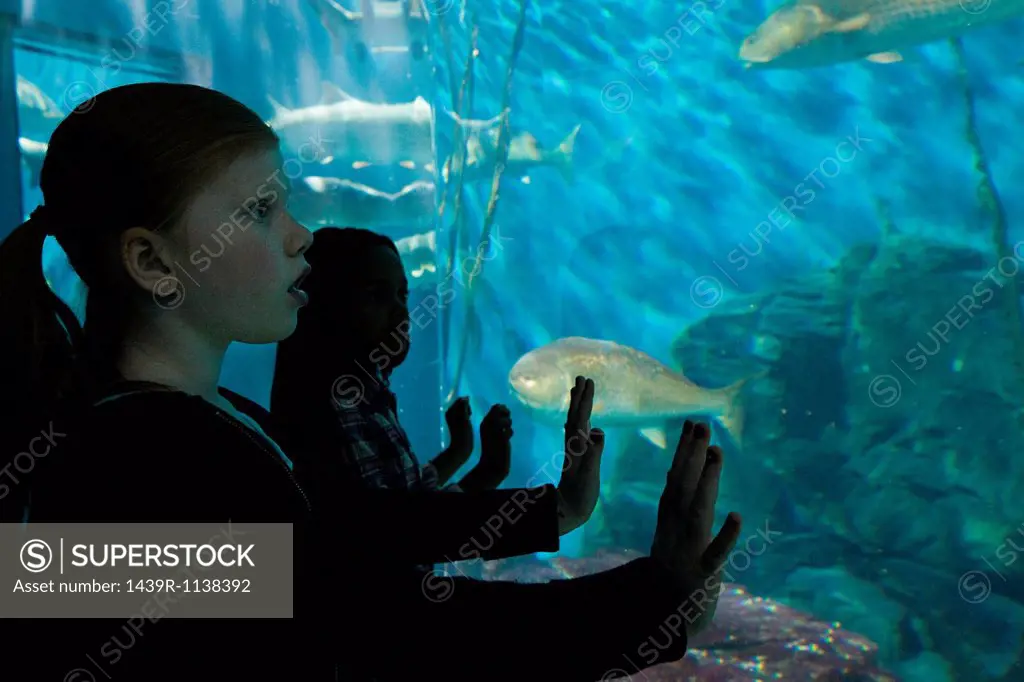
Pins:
x: 359, y: 612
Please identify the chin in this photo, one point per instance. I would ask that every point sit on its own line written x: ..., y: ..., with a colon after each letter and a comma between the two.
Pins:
x: 271, y: 334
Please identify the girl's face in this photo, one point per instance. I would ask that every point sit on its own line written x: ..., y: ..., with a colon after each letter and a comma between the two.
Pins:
x: 380, y: 307
x: 230, y: 268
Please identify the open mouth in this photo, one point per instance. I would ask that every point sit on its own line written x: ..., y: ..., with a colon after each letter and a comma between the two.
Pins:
x: 296, y: 290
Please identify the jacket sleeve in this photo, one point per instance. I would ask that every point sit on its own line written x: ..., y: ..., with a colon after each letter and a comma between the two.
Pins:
x: 434, y: 527
x: 598, y: 627
x: 417, y: 527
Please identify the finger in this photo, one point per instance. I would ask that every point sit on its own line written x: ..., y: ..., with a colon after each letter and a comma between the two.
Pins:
x: 586, y: 407
x: 666, y: 505
x: 676, y: 470
x: 717, y: 553
x: 702, y: 512
x: 574, y: 402
x: 694, y: 456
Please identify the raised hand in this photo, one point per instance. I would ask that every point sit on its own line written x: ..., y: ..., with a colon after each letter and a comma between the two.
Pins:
x: 686, y: 512
x: 580, y: 484
x: 460, y: 428
x: 496, y: 445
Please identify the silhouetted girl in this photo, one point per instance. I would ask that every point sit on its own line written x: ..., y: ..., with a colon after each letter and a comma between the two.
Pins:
x: 332, y: 379
x: 169, y: 201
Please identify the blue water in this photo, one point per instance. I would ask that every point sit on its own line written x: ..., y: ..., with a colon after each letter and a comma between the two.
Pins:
x: 896, y: 486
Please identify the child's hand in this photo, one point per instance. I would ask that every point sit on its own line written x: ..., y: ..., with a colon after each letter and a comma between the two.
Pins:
x: 496, y: 446
x: 460, y: 429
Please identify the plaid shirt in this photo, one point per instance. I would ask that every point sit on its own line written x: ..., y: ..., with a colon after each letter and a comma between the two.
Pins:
x: 376, y: 449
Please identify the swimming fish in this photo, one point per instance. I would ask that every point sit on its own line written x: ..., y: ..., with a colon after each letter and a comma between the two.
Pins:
x: 32, y: 154
x: 810, y: 33
x: 632, y: 388
x: 334, y: 201
x: 359, y: 131
x: 38, y: 114
x: 344, y: 126
x: 524, y: 154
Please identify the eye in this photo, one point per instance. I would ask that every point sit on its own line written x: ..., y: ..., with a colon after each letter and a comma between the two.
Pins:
x: 260, y: 209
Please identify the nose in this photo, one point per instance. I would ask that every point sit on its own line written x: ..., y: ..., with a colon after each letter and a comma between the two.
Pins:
x: 299, y: 238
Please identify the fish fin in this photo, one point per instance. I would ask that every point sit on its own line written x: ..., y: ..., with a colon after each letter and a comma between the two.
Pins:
x: 852, y: 24
x: 733, y: 417
x: 531, y: 143
x: 333, y: 94
x: 885, y: 57
x: 565, y: 149
x: 280, y: 110
x: 656, y: 435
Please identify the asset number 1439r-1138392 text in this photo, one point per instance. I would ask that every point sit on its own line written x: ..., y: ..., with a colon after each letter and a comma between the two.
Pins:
x: 186, y: 586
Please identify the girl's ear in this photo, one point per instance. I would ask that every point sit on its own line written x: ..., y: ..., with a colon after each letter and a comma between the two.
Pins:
x: 145, y: 258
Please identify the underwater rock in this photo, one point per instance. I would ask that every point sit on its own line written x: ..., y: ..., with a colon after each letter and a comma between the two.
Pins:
x: 751, y: 639
x: 882, y: 444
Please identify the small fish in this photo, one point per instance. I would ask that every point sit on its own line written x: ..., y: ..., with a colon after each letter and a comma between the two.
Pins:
x: 524, y: 154
x: 334, y: 201
x: 811, y: 33
x: 32, y: 154
x: 632, y: 388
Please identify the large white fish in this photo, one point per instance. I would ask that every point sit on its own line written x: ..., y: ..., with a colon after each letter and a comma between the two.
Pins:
x: 348, y: 129
x: 319, y: 200
x: 632, y: 388
x: 810, y: 33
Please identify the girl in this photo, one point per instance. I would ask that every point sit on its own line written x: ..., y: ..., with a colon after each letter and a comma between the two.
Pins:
x: 331, y: 382
x: 169, y: 200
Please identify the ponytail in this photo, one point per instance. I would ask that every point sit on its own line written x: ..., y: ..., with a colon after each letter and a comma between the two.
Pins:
x: 38, y: 337
x: 40, y: 334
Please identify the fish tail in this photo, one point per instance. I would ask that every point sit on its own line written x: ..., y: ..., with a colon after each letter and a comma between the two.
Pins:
x: 565, y: 150
x: 279, y: 109
x: 734, y: 414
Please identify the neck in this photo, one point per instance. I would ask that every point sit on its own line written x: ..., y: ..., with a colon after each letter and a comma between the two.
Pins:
x: 181, y: 358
